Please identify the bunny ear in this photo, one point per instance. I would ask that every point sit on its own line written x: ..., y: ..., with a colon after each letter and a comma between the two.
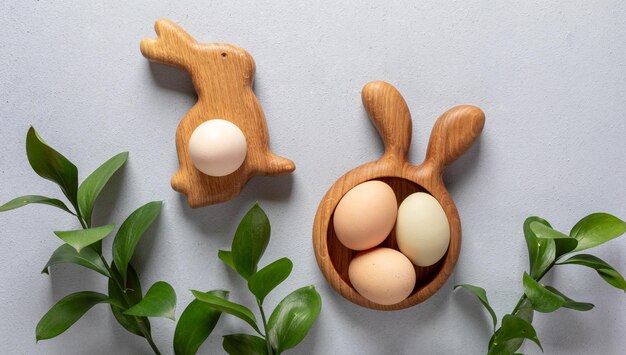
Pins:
x: 391, y: 116
x: 453, y: 134
x: 168, y: 29
x: 173, y: 45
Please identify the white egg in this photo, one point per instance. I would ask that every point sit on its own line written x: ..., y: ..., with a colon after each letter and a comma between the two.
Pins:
x: 217, y: 147
x: 422, y: 229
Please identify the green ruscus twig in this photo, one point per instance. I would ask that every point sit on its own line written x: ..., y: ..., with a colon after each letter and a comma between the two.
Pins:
x: 84, y: 247
x: 546, y: 247
x: 287, y: 325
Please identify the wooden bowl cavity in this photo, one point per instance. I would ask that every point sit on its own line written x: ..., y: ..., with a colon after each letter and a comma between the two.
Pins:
x: 341, y: 256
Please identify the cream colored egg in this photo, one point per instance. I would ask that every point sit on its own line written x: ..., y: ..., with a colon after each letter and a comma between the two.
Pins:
x: 382, y: 275
x: 365, y: 215
x: 422, y: 229
x: 217, y: 147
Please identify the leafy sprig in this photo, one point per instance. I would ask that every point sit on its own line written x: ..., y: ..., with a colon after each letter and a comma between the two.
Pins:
x: 84, y: 247
x: 546, y: 247
x: 288, y: 324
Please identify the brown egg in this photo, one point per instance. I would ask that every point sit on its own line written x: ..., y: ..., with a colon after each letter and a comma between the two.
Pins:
x: 382, y: 275
x: 365, y: 215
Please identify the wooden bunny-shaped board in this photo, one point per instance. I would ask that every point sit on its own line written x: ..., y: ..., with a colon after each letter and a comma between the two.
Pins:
x: 222, y: 75
x: 453, y: 133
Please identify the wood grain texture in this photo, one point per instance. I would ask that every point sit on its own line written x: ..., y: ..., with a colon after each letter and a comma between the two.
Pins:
x: 222, y: 75
x: 453, y: 133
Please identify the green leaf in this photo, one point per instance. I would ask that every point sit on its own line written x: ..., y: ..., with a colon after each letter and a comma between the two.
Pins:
x: 81, y: 238
x: 596, y: 229
x: 160, y: 301
x: 606, y: 271
x: 51, y: 165
x: 570, y: 303
x: 513, y: 327
x: 541, y: 252
x: 293, y: 317
x: 563, y: 242
x: 227, y: 257
x: 135, y: 325
x: 220, y: 304
x: 542, y: 299
x: 66, y: 312
x: 92, y: 186
x: 238, y: 344
x: 130, y: 232
x: 481, y: 294
x: 525, y: 311
x: 250, y: 241
x: 195, y: 325
x: 265, y: 280
x: 546, y: 254
x: 28, y: 199
x: 87, y: 257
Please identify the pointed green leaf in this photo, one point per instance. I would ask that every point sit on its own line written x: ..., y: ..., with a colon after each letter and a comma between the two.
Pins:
x: 195, y: 325
x: 596, y: 229
x: 130, y: 233
x: 160, y: 301
x: 563, y: 242
x: 250, y: 241
x: 81, y: 238
x: 239, y: 344
x: 513, y: 327
x: 51, y: 165
x: 89, y: 190
x: 481, y: 294
x: 227, y: 257
x: 97, y: 247
x: 87, y: 257
x: 66, y: 312
x: 542, y: 299
x: 135, y: 325
x: 265, y: 280
x: 232, y: 308
x: 570, y: 303
x: 293, y: 317
x: 541, y: 252
x: 525, y: 311
x: 28, y: 199
x: 546, y: 254
x: 606, y: 271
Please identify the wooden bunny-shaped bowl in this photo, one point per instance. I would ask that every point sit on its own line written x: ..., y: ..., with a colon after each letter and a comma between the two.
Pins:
x: 453, y: 133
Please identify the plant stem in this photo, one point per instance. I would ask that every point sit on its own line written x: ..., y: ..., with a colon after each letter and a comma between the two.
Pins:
x: 80, y: 218
x: 152, y: 344
x: 77, y: 214
x: 519, y: 304
x: 144, y: 331
x: 267, y: 341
